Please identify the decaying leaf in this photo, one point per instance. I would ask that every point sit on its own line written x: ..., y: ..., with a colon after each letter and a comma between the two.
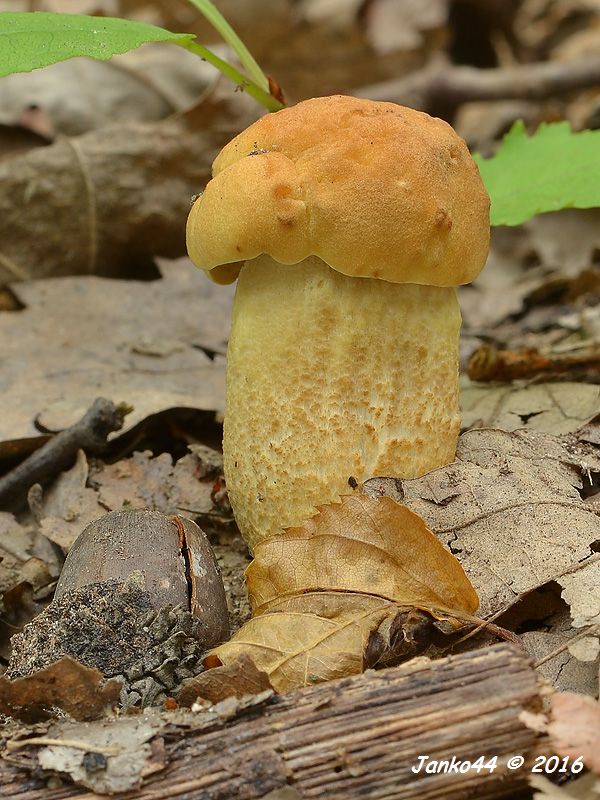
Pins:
x: 575, y: 728
x: 137, y: 482
x: 29, y: 567
x: 554, y: 408
x: 143, y: 342
x: 66, y: 684
x: 108, y: 756
x: 509, y: 507
x: 68, y: 506
x: 18, y: 560
x: 321, y: 591
x: 554, y: 649
x: 237, y: 679
x: 361, y: 545
x: 581, y: 590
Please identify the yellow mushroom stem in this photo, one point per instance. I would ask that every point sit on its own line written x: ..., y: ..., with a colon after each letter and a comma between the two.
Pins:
x: 332, y: 378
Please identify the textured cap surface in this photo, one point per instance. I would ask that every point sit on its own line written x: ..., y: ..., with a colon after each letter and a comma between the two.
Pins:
x: 373, y: 189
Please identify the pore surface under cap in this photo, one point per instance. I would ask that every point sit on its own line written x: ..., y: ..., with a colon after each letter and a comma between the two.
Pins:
x: 374, y: 189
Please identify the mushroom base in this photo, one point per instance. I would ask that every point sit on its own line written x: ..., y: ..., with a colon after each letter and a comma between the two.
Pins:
x: 331, y: 380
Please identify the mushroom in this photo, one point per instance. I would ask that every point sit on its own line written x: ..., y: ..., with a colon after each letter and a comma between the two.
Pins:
x: 347, y: 223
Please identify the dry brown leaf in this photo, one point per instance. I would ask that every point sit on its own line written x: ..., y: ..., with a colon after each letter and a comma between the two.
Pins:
x: 308, y: 638
x: 143, y: 342
x: 237, y: 679
x: 565, y: 671
x: 18, y: 562
x: 554, y: 408
x: 510, y: 509
x: 322, y: 591
x: 137, y: 482
x: 361, y: 545
x: 581, y: 590
x: 575, y: 728
x: 66, y: 684
x: 68, y: 506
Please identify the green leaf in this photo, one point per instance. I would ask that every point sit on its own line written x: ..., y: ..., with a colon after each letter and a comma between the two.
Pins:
x: 553, y: 169
x: 31, y: 40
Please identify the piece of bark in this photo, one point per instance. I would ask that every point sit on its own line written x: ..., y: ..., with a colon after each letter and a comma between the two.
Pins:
x: 353, y: 737
x: 488, y: 363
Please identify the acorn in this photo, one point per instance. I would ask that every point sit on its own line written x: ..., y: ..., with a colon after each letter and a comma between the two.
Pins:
x: 172, y: 552
x: 140, y: 598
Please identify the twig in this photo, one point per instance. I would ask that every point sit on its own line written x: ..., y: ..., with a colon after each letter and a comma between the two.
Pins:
x: 88, y: 434
x: 441, y: 86
x: 488, y: 363
x: 522, y: 595
x: 590, y: 630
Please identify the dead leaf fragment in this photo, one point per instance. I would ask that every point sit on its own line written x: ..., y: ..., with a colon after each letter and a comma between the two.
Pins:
x: 76, y: 334
x: 554, y: 408
x: 108, y: 757
x: 75, y: 498
x: 575, y: 728
x: 66, y: 684
x: 18, y: 561
x: 68, y: 506
x: 238, y: 679
x: 581, y: 590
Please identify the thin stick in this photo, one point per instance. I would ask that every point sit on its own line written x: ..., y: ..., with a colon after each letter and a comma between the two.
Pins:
x: 89, y: 433
x: 590, y: 630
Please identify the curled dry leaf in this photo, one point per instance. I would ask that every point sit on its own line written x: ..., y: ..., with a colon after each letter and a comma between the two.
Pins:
x: 322, y: 591
x: 510, y: 508
x: 66, y: 684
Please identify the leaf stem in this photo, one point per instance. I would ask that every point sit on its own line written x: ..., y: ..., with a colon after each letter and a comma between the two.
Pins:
x: 220, y: 24
x: 259, y: 94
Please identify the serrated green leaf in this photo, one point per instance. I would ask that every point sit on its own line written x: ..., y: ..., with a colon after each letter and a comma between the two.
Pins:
x: 553, y: 169
x: 29, y: 40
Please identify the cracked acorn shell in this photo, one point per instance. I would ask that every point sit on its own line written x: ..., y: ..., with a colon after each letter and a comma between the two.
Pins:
x: 172, y: 554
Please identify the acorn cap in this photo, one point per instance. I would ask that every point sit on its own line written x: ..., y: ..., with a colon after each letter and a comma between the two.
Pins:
x: 373, y: 189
